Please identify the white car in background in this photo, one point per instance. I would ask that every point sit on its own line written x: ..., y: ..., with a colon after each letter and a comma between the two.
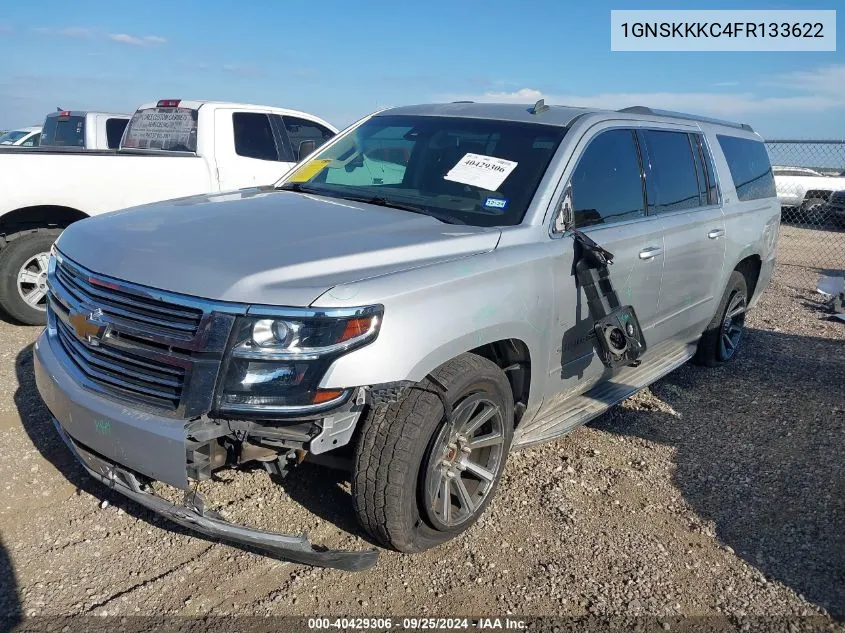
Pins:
x: 22, y: 137
x: 806, y: 191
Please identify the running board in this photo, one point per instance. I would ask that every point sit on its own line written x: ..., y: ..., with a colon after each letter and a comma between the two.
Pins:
x: 580, y: 409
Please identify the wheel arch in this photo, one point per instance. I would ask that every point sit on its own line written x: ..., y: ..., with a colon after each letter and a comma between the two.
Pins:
x: 514, y: 358
x: 750, y: 267
x: 40, y: 216
x: 512, y: 354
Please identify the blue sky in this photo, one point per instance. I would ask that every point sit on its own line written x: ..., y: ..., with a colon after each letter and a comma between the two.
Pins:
x: 341, y: 60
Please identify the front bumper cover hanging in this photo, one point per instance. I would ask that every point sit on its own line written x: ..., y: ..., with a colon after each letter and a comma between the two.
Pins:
x: 297, y: 549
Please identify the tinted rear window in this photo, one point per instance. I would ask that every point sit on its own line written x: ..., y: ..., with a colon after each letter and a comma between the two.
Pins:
x: 674, y: 168
x: 168, y: 129
x: 750, y: 167
x: 114, y: 131
x: 63, y: 131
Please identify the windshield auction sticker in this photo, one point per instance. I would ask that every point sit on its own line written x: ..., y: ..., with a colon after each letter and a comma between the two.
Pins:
x: 484, y: 172
x: 309, y: 170
x: 723, y: 30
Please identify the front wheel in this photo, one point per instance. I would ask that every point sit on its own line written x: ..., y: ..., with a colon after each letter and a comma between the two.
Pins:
x: 23, y: 276
x: 419, y: 481
x: 721, y: 338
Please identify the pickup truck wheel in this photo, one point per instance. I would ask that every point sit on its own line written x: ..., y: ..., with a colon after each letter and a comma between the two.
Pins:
x: 418, y: 481
x: 23, y: 275
x: 723, y: 334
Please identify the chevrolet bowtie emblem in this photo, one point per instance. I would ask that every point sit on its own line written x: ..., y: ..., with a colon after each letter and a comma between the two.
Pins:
x: 89, y: 326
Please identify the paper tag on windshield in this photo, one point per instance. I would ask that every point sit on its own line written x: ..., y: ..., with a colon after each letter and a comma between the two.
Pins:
x: 484, y: 172
x: 308, y: 170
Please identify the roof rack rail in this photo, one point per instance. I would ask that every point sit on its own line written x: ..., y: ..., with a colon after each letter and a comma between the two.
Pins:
x: 463, y: 102
x: 683, y: 115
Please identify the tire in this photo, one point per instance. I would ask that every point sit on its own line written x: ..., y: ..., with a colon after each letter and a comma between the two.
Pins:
x: 24, y: 253
x: 814, y: 212
x: 402, y: 456
x: 713, y: 348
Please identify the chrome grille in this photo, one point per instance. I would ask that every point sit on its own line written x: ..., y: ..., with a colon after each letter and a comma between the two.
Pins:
x: 157, y: 349
x: 135, y: 310
x: 123, y: 373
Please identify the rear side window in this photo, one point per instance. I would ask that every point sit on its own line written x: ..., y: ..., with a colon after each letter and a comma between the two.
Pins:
x: 674, y: 168
x: 254, y: 136
x: 750, y: 168
x: 303, y: 130
x: 63, y: 131
x: 166, y: 129
x: 607, y: 184
x: 114, y: 131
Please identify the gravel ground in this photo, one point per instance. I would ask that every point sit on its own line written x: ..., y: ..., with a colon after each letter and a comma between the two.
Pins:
x: 716, y: 492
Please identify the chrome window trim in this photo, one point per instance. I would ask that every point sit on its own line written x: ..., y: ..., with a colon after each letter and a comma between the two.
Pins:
x: 635, y: 125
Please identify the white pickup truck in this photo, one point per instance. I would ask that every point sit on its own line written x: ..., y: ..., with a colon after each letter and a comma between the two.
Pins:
x: 804, y: 193
x: 83, y: 130
x: 170, y: 149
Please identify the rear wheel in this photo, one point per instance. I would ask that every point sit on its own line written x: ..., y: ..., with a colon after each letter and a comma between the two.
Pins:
x: 23, y: 276
x: 721, y: 338
x: 419, y: 481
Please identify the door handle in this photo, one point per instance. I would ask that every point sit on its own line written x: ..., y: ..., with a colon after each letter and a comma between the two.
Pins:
x: 716, y: 233
x: 651, y: 252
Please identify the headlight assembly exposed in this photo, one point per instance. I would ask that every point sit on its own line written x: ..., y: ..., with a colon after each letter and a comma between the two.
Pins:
x: 277, y: 361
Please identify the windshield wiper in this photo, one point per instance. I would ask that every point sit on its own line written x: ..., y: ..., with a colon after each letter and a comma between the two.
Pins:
x: 299, y: 187
x: 381, y: 201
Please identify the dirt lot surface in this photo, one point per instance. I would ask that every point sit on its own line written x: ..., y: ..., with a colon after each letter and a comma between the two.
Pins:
x: 715, y: 492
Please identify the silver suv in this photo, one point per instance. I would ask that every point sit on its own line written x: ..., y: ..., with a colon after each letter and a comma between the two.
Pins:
x: 435, y: 287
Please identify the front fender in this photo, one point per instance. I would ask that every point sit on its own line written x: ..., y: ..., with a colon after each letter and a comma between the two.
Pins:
x: 435, y: 313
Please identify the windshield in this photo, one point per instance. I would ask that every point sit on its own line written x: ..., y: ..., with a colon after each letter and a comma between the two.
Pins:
x: 168, y: 129
x: 9, y: 138
x: 64, y: 131
x: 464, y: 171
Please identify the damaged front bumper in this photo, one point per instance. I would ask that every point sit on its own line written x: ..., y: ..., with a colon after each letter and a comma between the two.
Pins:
x: 193, y: 516
x: 125, y: 448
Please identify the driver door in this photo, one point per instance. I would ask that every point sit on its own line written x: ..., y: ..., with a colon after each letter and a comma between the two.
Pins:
x: 608, y: 204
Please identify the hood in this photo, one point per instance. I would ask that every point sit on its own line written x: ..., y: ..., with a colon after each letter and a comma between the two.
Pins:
x: 263, y: 246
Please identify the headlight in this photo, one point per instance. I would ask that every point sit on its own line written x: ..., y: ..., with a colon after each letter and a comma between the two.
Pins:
x: 276, y: 362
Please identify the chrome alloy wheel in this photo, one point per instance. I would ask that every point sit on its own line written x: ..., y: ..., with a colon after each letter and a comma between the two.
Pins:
x: 32, y: 281
x: 464, y: 462
x: 733, y: 325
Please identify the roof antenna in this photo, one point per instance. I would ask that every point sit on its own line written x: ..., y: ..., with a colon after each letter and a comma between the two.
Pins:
x: 538, y: 107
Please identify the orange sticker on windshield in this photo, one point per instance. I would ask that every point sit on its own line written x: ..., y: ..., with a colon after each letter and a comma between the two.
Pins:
x: 309, y: 170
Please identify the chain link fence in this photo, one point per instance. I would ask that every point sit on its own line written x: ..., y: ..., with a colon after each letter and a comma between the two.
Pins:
x: 810, y: 181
